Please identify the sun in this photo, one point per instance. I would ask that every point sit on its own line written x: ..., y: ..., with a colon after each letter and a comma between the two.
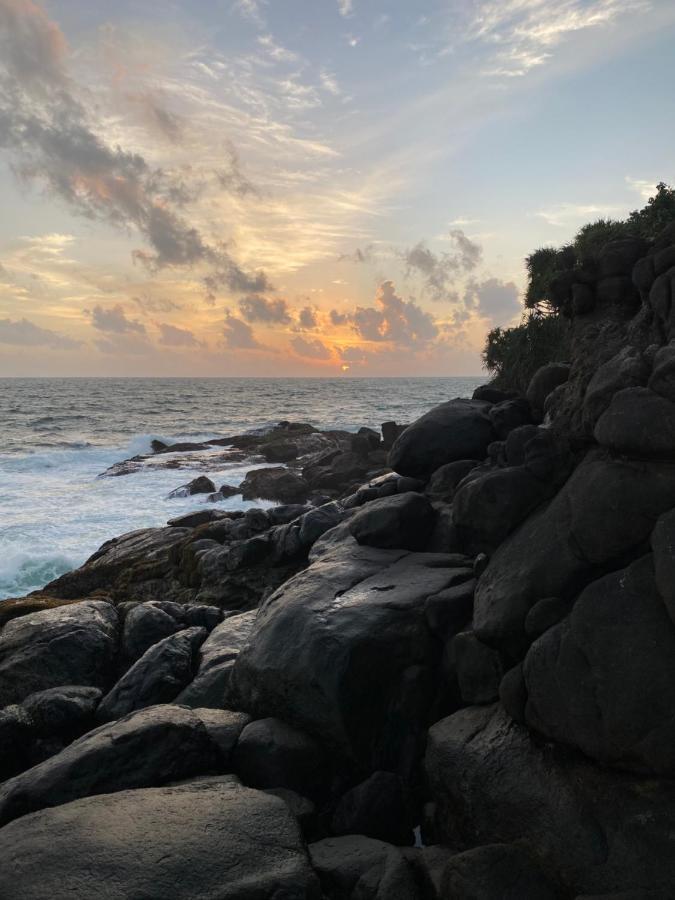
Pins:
x: 344, y: 368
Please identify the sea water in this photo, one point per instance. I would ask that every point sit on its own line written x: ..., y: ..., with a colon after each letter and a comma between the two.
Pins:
x: 58, y: 435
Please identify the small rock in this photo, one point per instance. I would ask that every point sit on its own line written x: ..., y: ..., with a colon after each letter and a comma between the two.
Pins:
x: 200, y: 485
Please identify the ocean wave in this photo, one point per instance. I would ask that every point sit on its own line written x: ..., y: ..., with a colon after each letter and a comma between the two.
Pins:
x: 141, y: 444
x: 22, y: 571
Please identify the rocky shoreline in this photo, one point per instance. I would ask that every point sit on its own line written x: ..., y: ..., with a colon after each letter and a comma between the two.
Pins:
x: 443, y: 666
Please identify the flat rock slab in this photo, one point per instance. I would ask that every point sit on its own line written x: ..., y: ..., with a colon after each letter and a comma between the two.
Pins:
x: 212, y: 838
x: 73, y: 644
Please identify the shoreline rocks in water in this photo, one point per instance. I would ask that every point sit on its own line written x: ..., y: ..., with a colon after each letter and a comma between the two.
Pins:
x: 465, y: 628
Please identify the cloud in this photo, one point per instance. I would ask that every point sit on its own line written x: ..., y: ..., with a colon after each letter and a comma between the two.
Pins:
x: 275, y: 51
x: 439, y: 270
x: 568, y: 215
x: 114, y: 320
x: 49, y: 135
x: 123, y: 344
x: 239, y: 335
x: 346, y: 7
x: 156, y: 304
x: 156, y: 117
x: 338, y: 318
x: 354, y: 355
x: 231, y: 178
x: 255, y: 308
x: 495, y: 299
x: 307, y: 318
x: 393, y: 320
x: 172, y: 336
x: 312, y: 349
x: 525, y: 32
x: 645, y: 187
x: 22, y: 333
x: 251, y: 10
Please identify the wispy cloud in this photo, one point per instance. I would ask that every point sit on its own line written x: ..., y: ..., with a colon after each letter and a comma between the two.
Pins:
x: 565, y: 215
x: 22, y: 333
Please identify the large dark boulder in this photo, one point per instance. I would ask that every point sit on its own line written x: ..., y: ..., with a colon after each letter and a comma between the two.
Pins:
x: 605, y: 511
x: 272, y: 754
x: 211, y: 838
x: 403, y: 520
x: 217, y: 655
x: 626, y: 369
x: 663, y: 545
x: 496, y: 872
x: 487, y: 508
x: 147, y: 748
x: 443, y: 483
x: 594, y: 830
x: 73, y: 644
x: 458, y: 429
x: 604, y: 679
x: 510, y: 414
x: 343, y: 651
x: 478, y: 669
x: 277, y: 483
x: 543, y: 382
x: 662, y: 380
x: 200, y: 485
x: 356, y: 867
x: 62, y: 710
x: 158, y: 676
x: 639, y: 423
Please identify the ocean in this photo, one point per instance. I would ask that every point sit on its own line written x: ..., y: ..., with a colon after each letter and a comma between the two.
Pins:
x: 59, y: 434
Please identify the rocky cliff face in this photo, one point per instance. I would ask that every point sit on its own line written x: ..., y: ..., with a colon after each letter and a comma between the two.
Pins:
x: 478, y: 644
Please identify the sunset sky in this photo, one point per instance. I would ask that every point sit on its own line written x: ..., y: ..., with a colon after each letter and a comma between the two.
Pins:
x: 308, y: 187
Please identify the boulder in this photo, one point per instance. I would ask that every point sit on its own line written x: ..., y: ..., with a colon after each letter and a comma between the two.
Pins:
x: 211, y: 838
x: 516, y: 444
x: 490, y: 394
x: 390, y: 431
x: 661, y: 301
x: 376, y: 808
x: 200, y: 485
x: 626, y: 369
x: 200, y: 517
x: 403, y: 520
x: 639, y: 423
x: 496, y: 872
x: 545, y: 614
x: 17, y: 732
x: 619, y: 256
x: 73, y: 644
x: 443, y: 483
x: 279, y: 451
x: 487, y: 508
x: 603, y: 680
x: 277, y: 483
x: 545, y: 380
x: 361, y: 868
x: 62, y: 710
x: 157, y: 677
x: 365, y: 441
x: 201, y: 615
x: 450, y: 610
x: 458, y: 429
x: 342, y: 651
x: 272, y: 754
x: 223, y: 728
x: 513, y: 693
x: 144, y: 626
x: 510, y: 414
x: 605, y: 511
x: 318, y: 521
x: 617, y: 290
x: 147, y: 748
x: 643, y: 275
x: 217, y: 655
x: 594, y: 830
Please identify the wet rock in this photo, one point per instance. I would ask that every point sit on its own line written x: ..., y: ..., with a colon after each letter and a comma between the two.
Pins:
x: 275, y: 484
x: 361, y: 868
x: 376, y: 808
x: 147, y: 748
x: 194, y: 519
x: 355, y: 616
x: 216, y: 658
x: 282, y: 515
x: 496, y: 872
x: 404, y: 520
x: 544, y: 380
x: 603, y: 680
x: 157, y: 677
x: 240, y: 845
x: 200, y: 485
x: 628, y: 424
x: 592, y: 829
x: 456, y: 430
x: 272, y: 754
x: 73, y: 644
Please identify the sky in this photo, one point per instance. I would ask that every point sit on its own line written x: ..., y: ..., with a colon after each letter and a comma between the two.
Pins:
x: 308, y: 187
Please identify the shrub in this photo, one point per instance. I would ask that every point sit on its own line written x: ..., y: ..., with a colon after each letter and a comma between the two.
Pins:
x: 513, y: 355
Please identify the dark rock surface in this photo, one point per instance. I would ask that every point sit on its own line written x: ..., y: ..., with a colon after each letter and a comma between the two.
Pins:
x: 543, y: 382
x: 276, y: 483
x: 496, y: 872
x: 458, y: 429
x: 209, y: 838
x: 402, y: 521
x: 376, y: 808
x: 629, y: 424
x: 361, y: 868
x: 199, y: 485
x: 72, y: 644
